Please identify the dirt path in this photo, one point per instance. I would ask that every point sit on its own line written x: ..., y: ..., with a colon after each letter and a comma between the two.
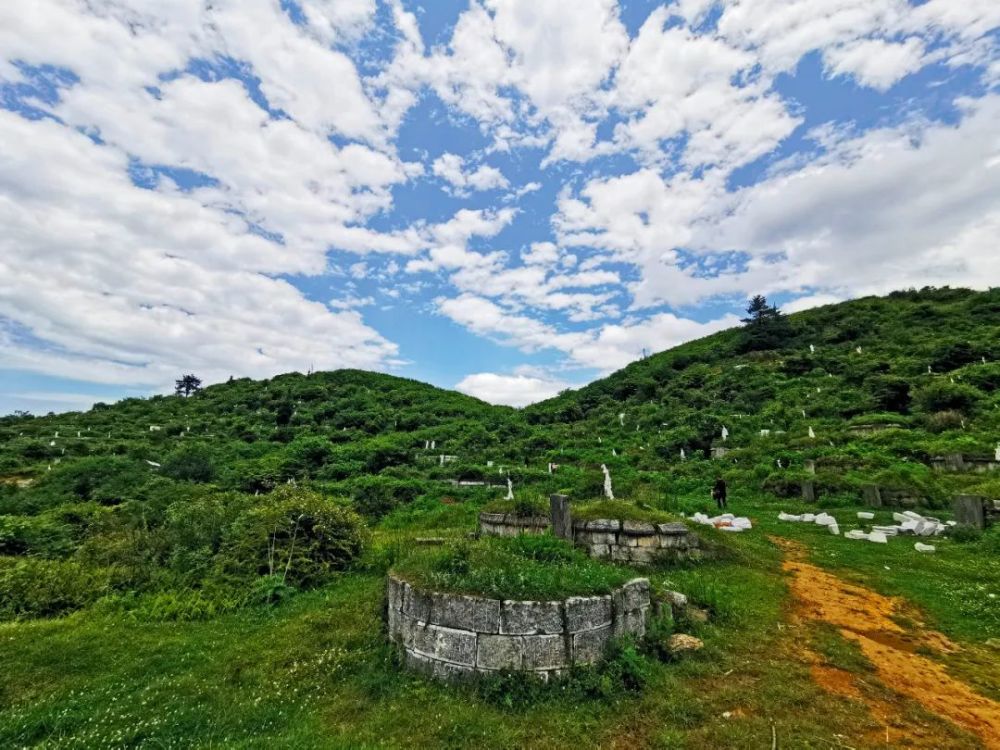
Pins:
x: 865, y: 617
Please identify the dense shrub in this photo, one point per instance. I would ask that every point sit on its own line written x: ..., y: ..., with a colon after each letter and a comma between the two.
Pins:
x: 943, y: 395
x: 374, y: 496
x: 40, y: 588
x: 297, y: 534
x: 189, y: 464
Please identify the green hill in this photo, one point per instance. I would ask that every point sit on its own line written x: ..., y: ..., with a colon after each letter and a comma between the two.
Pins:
x: 224, y: 548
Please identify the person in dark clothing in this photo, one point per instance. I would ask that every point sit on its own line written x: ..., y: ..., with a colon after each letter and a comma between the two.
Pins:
x: 719, y: 492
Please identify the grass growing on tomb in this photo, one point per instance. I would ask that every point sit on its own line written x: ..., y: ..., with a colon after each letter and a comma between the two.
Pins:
x: 520, y: 567
x: 522, y: 507
x: 620, y: 510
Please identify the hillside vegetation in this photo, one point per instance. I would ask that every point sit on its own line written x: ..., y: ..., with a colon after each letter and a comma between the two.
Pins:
x: 242, y: 534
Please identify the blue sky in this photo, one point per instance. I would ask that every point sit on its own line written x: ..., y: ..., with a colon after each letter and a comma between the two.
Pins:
x: 508, y: 197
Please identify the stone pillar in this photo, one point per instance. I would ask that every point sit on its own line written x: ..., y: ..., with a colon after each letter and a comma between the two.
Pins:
x: 810, y: 465
x: 969, y: 510
x: 562, y: 521
x: 872, y: 496
x: 809, y: 491
x: 954, y: 461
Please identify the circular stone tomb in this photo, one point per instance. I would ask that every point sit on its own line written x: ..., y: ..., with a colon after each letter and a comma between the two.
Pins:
x: 455, y: 636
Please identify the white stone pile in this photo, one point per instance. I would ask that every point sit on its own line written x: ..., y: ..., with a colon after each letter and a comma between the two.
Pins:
x: 725, y: 522
x: 820, y: 519
x: 907, y: 522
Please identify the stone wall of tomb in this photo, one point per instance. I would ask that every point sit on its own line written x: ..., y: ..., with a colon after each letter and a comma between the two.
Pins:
x: 452, y: 636
x: 629, y: 542
x: 635, y: 542
x: 508, y: 524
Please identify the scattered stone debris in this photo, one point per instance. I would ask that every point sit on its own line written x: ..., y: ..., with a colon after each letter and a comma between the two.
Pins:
x: 725, y: 522
x: 680, y: 643
x: 907, y: 522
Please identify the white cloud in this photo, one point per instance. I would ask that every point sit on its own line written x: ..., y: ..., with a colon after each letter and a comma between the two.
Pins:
x: 809, y: 302
x: 891, y: 208
x: 512, y: 390
x: 604, y: 349
x: 452, y: 169
x: 875, y: 62
x: 126, y: 285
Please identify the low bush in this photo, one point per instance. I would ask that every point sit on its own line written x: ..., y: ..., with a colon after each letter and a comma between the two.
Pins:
x: 32, y: 587
x: 298, y: 535
x: 965, y: 533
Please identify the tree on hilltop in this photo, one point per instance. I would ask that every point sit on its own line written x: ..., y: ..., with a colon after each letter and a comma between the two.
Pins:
x: 187, y: 385
x: 766, y: 327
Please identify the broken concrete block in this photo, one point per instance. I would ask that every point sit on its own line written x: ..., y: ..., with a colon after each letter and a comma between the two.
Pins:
x: 923, y: 547
x: 866, y: 516
x: 878, y: 537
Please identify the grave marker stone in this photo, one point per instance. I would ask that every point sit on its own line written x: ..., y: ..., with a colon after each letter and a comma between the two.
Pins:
x: 562, y: 521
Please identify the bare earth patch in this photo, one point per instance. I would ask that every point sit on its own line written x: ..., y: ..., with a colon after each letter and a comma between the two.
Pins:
x: 867, y: 618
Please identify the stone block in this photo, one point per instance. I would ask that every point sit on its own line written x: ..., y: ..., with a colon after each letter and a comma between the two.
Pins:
x: 628, y: 541
x: 587, y: 612
x: 561, y: 517
x: 600, y: 551
x: 394, y: 594
x: 969, y: 510
x: 499, y: 651
x: 522, y: 618
x: 467, y: 613
x: 493, y: 518
x: 675, y: 528
x: 631, y: 622
x: 392, y: 617
x: 602, y: 524
x: 638, y: 528
x: 544, y: 652
x: 408, y: 631
x: 457, y: 646
x: 636, y: 593
x: 589, y: 645
x: 416, y: 603
x: 648, y: 541
x: 448, y: 672
x: 621, y: 554
x: 419, y: 663
x: 599, y: 537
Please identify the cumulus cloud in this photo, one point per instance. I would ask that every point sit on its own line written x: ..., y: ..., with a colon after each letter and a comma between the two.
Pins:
x: 511, y: 390
x: 166, y: 168
x: 452, y: 169
x: 119, y: 284
x: 605, y: 348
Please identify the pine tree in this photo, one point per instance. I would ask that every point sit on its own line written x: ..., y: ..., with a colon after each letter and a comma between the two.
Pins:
x: 187, y: 385
x: 766, y: 327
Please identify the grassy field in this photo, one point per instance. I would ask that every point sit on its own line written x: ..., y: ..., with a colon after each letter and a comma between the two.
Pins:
x: 315, y: 671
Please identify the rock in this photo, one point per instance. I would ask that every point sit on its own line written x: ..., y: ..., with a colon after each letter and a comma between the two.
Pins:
x: 834, y: 528
x: 866, y: 516
x: 680, y: 643
x: 923, y: 547
x: 856, y: 534
x: 878, y: 537
x: 696, y: 614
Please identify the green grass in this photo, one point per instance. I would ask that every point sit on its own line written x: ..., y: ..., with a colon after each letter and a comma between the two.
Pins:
x: 620, y: 510
x: 521, y: 567
x: 522, y: 508
x: 315, y: 672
